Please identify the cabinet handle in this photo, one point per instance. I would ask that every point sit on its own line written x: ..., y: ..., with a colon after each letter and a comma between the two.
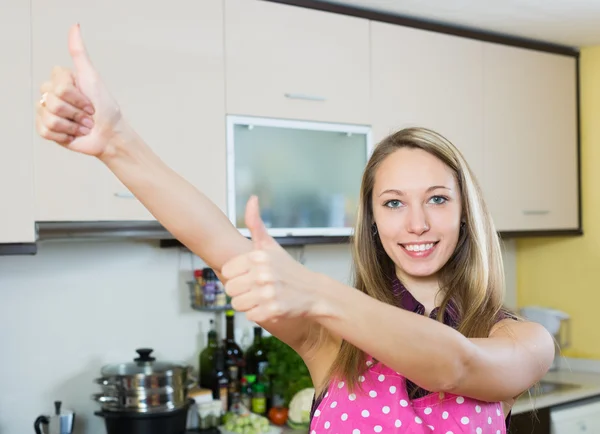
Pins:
x: 125, y: 195
x: 536, y: 211
x: 304, y: 96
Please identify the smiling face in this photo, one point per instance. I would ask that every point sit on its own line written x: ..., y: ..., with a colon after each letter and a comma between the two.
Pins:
x: 417, y: 209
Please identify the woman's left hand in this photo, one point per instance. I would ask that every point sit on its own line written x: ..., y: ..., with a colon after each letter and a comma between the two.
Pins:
x: 267, y: 283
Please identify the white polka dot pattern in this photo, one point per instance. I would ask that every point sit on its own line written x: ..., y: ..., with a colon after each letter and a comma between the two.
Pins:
x: 381, y: 404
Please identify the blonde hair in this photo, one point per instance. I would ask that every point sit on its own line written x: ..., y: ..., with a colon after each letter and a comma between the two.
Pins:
x: 473, y: 277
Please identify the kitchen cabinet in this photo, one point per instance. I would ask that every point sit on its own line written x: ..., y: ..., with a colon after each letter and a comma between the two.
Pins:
x: 17, y: 224
x: 578, y: 417
x: 427, y: 79
x: 291, y: 62
x: 530, y: 139
x: 165, y: 66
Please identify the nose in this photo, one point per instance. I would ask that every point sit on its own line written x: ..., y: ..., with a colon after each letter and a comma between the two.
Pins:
x: 417, y: 222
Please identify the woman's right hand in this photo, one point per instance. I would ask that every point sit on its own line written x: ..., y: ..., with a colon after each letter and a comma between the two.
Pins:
x: 76, y: 109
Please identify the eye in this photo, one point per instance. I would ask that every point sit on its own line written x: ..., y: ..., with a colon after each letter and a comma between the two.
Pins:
x: 394, y: 203
x: 438, y: 200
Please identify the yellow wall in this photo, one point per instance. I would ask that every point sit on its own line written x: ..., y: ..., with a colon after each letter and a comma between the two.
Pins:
x: 564, y: 273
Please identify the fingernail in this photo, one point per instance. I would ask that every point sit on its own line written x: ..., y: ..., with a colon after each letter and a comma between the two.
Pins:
x: 89, y: 109
x: 84, y: 130
x: 88, y: 122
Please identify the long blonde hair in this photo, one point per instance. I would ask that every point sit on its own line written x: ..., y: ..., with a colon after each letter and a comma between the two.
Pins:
x: 473, y: 277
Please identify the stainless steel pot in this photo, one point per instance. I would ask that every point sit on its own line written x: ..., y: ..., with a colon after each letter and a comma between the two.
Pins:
x: 144, y: 386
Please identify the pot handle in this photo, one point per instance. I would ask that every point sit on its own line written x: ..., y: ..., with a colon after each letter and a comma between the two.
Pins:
x: 40, y: 420
x: 98, y: 397
x: 105, y: 382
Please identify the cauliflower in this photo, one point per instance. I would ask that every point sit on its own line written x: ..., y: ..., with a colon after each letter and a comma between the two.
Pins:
x: 299, y: 408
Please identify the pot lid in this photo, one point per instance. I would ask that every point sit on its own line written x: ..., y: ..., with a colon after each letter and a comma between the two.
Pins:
x: 143, y: 364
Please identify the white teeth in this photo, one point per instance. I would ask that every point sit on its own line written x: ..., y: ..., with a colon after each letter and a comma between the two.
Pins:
x: 418, y: 247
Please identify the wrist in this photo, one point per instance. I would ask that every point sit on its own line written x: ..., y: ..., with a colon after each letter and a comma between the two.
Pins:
x: 121, y: 143
x: 325, y: 290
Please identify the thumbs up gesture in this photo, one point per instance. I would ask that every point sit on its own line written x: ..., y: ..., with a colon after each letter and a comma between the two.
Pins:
x: 76, y: 109
x: 267, y: 283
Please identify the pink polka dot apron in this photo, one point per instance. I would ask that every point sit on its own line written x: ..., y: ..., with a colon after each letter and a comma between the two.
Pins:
x: 382, y: 405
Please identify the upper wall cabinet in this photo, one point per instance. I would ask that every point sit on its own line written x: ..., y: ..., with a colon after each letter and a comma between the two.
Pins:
x: 530, y: 139
x: 431, y: 80
x: 165, y: 66
x: 16, y: 123
x: 290, y: 62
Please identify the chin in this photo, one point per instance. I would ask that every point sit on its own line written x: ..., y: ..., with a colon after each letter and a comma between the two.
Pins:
x: 420, y: 271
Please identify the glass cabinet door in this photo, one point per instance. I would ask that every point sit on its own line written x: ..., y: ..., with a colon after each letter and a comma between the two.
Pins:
x: 306, y: 175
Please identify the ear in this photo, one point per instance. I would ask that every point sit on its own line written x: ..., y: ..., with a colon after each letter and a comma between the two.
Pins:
x: 258, y: 231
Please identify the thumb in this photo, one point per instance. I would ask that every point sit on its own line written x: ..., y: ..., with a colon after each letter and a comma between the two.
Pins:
x: 81, y: 60
x: 254, y: 223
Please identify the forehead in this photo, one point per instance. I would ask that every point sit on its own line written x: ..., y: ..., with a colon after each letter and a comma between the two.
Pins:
x: 412, y: 169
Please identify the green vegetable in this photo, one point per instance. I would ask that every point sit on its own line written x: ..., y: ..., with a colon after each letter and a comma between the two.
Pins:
x: 299, y: 411
x: 247, y: 424
x: 286, y: 370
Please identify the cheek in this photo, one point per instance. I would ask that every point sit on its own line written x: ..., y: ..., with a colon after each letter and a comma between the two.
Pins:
x: 445, y: 222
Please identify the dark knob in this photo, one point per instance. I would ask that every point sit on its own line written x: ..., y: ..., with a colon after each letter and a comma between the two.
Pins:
x: 144, y: 355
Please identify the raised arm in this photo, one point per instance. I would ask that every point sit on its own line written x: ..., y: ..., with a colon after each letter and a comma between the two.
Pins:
x: 78, y: 112
x: 268, y: 284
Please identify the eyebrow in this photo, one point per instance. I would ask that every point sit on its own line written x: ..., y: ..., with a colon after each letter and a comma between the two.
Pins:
x: 401, y: 193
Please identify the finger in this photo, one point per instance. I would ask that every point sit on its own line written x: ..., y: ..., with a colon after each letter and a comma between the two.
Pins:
x: 237, y: 266
x: 65, y: 90
x: 60, y: 138
x: 262, y: 313
x: 239, y: 285
x: 57, y: 124
x: 245, y: 301
x: 78, y: 52
x: 63, y: 109
x: 259, y: 295
x: 254, y: 223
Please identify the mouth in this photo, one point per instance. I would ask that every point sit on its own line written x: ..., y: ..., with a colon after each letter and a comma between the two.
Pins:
x: 420, y: 249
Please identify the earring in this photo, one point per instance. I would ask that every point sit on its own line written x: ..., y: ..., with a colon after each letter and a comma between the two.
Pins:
x: 374, y: 229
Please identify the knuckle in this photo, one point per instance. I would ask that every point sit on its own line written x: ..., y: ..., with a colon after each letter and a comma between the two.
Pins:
x: 44, y: 131
x: 269, y: 292
x: 265, y: 277
x: 45, y: 86
x: 57, y: 70
x: 275, y: 308
x: 259, y: 257
x: 52, y: 122
x: 62, y: 89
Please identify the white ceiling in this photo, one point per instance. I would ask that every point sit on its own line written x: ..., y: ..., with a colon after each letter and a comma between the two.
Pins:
x: 568, y: 22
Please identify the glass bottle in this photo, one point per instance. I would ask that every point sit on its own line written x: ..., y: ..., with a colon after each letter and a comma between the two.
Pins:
x: 207, y: 357
x: 234, y: 356
x: 256, y: 356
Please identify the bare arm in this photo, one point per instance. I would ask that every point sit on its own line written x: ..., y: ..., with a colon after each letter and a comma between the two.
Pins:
x: 190, y: 217
x: 433, y: 355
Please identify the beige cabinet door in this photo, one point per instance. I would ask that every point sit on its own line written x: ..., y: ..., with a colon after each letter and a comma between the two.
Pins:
x: 165, y: 65
x: 530, y: 139
x: 16, y: 123
x: 430, y: 80
x: 290, y: 62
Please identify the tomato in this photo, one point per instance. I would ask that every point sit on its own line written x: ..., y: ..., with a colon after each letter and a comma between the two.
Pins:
x: 278, y: 415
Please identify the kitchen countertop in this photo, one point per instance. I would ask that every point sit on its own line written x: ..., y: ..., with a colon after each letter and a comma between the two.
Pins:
x: 588, y: 385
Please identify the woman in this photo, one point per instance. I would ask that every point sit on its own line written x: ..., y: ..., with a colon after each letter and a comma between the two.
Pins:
x: 422, y: 345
